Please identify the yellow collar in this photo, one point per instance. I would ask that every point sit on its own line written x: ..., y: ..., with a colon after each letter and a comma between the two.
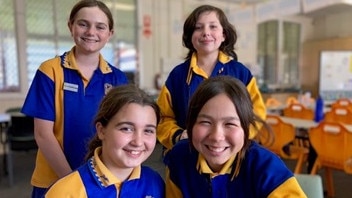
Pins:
x: 104, y: 175
x: 203, y: 166
x: 222, y: 57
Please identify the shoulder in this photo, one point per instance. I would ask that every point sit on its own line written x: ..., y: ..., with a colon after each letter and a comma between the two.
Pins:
x: 50, y: 65
x: 259, y: 154
x: 235, y: 65
x: 119, y: 74
x: 151, y: 174
x: 265, y: 166
x: 67, y: 186
x: 147, y: 171
x: 181, y: 154
x: 179, y: 69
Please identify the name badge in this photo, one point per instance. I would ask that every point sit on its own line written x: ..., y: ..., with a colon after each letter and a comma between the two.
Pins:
x: 70, y: 87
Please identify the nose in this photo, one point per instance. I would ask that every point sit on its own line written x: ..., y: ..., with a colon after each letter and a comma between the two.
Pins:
x: 206, y: 32
x: 217, y: 133
x: 137, y: 139
x: 90, y: 30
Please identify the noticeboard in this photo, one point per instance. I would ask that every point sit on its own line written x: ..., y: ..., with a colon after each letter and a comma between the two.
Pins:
x: 335, y: 80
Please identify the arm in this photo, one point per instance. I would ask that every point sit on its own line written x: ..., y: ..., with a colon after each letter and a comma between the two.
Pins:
x: 168, y: 131
x: 172, y: 191
x: 290, y: 188
x: 258, y: 105
x: 50, y: 147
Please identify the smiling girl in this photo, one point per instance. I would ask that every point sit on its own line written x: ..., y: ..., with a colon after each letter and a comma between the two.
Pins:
x: 125, y: 137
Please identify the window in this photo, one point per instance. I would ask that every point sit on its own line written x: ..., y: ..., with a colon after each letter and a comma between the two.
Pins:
x: 47, y: 36
x: 9, y: 75
x: 278, y: 48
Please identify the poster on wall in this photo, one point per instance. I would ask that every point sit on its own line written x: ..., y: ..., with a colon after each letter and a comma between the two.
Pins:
x: 335, y: 80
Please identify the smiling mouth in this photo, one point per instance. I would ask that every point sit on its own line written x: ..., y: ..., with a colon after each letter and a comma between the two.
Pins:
x: 216, y: 149
x: 134, y: 152
x: 89, y: 40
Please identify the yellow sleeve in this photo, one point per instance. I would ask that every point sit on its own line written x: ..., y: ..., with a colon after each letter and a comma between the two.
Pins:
x: 172, y: 191
x: 290, y: 188
x: 167, y: 126
x: 68, y: 186
x: 258, y: 105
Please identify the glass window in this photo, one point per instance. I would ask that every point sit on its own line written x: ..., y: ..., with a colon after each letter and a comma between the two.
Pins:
x: 47, y: 36
x: 278, y: 49
x: 9, y: 70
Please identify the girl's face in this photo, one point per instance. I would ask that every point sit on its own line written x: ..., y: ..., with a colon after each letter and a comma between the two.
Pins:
x: 129, y: 138
x: 208, y: 34
x: 217, y: 133
x: 90, y: 30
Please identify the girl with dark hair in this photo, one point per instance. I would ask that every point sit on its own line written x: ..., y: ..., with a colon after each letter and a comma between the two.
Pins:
x: 210, y: 39
x: 218, y: 159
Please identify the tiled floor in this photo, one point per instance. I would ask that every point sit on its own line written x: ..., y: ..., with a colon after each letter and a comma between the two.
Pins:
x: 25, y: 163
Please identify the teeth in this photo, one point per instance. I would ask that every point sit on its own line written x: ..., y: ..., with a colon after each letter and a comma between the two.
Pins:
x: 216, y: 149
x: 135, y: 152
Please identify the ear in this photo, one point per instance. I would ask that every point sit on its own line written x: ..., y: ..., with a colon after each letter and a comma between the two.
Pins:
x: 69, y: 25
x: 100, y: 130
x: 111, y: 33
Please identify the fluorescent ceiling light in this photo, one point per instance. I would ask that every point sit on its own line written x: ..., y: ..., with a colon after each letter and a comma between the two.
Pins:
x: 121, y: 6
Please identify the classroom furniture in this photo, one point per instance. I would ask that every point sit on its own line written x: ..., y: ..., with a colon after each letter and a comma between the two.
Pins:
x: 280, y: 139
x: 19, y: 137
x: 332, y: 143
x: 312, y: 185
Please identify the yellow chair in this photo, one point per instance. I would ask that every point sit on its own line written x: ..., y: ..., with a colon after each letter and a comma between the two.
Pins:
x: 291, y: 100
x: 299, y: 111
x: 341, y: 114
x: 342, y: 102
x: 283, y: 136
x: 272, y: 102
x: 274, y: 106
x: 332, y: 142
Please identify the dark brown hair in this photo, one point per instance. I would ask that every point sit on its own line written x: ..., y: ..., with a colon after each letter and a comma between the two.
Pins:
x: 230, y: 35
x: 91, y: 3
x: 113, y: 102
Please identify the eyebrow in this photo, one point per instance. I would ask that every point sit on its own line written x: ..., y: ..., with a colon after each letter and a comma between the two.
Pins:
x: 132, y: 124
x: 222, y: 118
x: 86, y: 21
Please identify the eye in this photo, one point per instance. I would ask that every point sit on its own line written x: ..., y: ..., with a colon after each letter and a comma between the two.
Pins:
x: 204, y: 122
x: 126, y: 129
x: 197, y: 27
x: 149, y: 131
x: 82, y: 24
x: 233, y: 124
x: 213, y: 26
x: 101, y: 27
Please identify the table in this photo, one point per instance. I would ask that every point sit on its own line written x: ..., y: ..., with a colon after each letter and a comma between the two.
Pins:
x: 4, y: 118
x: 299, y: 123
x: 306, y: 124
x: 4, y: 121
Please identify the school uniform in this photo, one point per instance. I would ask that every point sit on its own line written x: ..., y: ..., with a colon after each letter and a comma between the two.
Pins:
x: 182, y: 82
x: 94, y: 179
x: 60, y: 94
x: 262, y: 174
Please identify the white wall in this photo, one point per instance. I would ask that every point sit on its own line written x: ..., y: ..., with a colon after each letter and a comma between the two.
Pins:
x: 165, y: 42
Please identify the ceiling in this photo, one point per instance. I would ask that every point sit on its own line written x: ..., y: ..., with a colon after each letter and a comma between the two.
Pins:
x: 244, y: 1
